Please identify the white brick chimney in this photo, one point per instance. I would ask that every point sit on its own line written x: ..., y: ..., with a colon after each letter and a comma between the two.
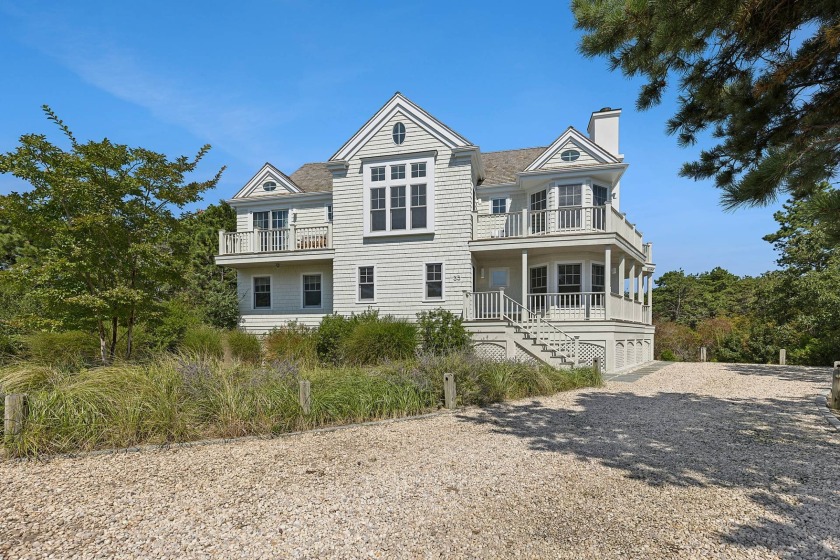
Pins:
x: 603, y: 129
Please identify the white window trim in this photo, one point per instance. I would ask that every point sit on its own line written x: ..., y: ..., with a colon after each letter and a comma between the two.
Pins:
x: 556, y: 188
x: 591, y: 276
x: 327, y: 213
x: 270, y: 293
x: 490, y: 279
x: 547, y: 268
x: 303, y: 290
x: 375, y: 282
x: 428, y: 180
x: 442, y: 297
x: 556, y: 283
x: 290, y: 217
x: 508, y: 201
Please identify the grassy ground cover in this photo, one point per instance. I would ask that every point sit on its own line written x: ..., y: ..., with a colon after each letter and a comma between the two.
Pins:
x: 188, y: 396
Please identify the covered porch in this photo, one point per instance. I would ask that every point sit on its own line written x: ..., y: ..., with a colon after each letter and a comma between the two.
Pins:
x: 595, y: 283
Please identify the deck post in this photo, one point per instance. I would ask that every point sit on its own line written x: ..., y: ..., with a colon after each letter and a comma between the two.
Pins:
x: 525, y: 302
x: 621, y: 271
x: 292, y: 241
x: 640, y: 294
x: 526, y: 226
x: 305, y: 396
x: 449, y: 390
x: 474, y: 222
x: 577, y: 350
x: 329, y: 235
x: 222, y: 248
x: 608, y: 216
x: 632, y: 281
x: 502, y: 303
x: 834, y: 397
x: 782, y: 356
x: 607, y: 282
x: 15, y: 413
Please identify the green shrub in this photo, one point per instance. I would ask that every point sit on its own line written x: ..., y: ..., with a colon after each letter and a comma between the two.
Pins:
x: 167, y: 330
x: 202, y: 341
x: 294, y: 342
x: 441, y: 331
x: 68, y: 348
x: 330, y: 336
x: 244, y: 346
x: 667, y: 356
x: 379, y: 339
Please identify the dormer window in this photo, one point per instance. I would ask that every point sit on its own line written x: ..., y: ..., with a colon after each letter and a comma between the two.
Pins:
x: 570, y: 155
x: 269, y: 186
x: 398, y: 133
x: 399, y: 197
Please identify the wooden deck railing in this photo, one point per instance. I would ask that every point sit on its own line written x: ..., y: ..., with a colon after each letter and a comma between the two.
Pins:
x: 579, y: 306
x: 575, y: 219
x: 275, y: 240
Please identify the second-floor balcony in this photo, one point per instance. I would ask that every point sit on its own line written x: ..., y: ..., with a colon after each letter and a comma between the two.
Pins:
x: 275, y: 240
x: 559, y: 221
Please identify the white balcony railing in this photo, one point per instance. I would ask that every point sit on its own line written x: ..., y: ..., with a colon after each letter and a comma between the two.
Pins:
x: 576, y: 219
x: 275, y: 240
x: 579, y: 306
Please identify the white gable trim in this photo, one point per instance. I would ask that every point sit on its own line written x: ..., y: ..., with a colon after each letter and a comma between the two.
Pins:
x: 268, y: 173
x: 399, y: 104
x: 583, y: 143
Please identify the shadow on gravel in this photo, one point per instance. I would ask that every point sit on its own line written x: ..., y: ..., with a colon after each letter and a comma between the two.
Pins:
x: 789, y: 466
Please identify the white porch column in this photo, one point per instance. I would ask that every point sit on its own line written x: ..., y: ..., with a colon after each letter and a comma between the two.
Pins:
x: 607, y: 283
x: 621, y: 275
x: 525, y: 278
x: 641, y: 293
x: 650, y: 296
x: 632, y: 280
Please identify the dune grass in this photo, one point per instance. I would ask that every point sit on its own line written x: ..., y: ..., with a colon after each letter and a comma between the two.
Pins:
x: 184, y: 397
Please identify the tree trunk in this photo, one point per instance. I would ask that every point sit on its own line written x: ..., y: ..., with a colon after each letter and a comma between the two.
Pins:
x: 129, y: 333
x: 103, y: 341
x: 114, y: 324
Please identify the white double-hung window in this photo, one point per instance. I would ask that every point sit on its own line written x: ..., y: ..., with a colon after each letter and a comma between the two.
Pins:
x: 399, y: 197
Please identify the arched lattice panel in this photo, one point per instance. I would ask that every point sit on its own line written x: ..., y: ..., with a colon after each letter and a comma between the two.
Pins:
x: 648, y: 356
x: 639, y: 352
x: 588, y: 352
x: 490, y: 351
x: 631, y: 353
x: 619, y: 355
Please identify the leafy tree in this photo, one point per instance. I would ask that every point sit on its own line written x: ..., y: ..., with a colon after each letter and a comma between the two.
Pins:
x: 762, y: 76
x: 99, y: 223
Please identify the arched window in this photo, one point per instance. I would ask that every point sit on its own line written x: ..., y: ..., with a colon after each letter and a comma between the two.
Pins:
x: 398, y: 133
x: 570, y: 155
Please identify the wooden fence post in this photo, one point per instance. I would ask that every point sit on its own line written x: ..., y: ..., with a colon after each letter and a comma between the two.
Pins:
x: 15, y: 413
x: 702, y: 353
x: 449, y: 390
x: 596, y: 365
x: 834, y: 397
x: 305, y: 396
x: 782, y: 356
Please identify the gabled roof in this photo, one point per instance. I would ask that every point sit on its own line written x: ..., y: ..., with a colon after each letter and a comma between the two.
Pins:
x: 313, y: 177
x: 502, y: 167
x: 399, y: 103
x: 269, y: 173
x: 582, y: 142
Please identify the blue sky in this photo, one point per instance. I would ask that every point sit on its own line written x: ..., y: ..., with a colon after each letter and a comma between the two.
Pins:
x: 289, y: 82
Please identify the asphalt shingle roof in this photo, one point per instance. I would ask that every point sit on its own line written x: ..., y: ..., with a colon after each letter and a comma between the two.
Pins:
x: 313, y: 177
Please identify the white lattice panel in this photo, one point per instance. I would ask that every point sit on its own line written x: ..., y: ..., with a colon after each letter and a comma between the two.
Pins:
x: 523, y: 356
x: 631, y: 353
x: 490, y: 351
x: 648, y: 357
x: 639, y: 352
x: 588, y: 352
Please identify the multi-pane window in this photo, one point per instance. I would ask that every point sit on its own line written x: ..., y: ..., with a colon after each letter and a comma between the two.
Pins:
x: 261, y: 220
x: 398, y: 133
x: 538, y: 203
x: 499, y: 205
x: 434, y: 281
x: 568, y: 195
x: 599, y: 195
x: 279, y: 219
x: 418, y: 207
x: 312, y: 290
x: 568, y: 278
x: 597, y: 278
x: 366, y: 286
x: 539, y: 280
x: 262, y: 292
x: 329, y: 213
x: 395, y: 204
x: 377, y: 209
x: 398, y: 207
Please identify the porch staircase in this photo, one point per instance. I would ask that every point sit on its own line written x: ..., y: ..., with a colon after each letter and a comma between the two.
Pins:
x: 530, y: 332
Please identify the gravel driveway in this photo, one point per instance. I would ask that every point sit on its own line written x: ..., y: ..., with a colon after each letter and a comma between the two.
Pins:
x: 692, y: 461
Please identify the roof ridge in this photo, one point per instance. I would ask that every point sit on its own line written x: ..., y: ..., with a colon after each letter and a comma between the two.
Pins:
x: 516, y: 149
